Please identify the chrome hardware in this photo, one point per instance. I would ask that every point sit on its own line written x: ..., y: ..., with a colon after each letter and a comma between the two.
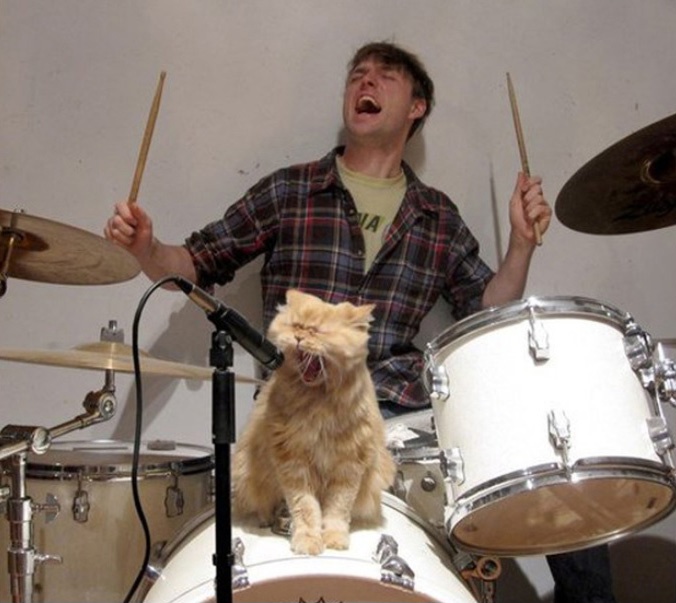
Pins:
x: 81, y: 504
x: 452, y: 465
x: 173, y: 499
x: 112, y: 333
x: 559, y: 433
x: 283, y: 522
x: 435, y: 379
x: 538, y: 338
x: 51, y: 508
x: 665, y: 377
x: 428, y: 483
x: 638, y: 347
x: 240, y: 575
x: 660, y: 435
x: 393, y: 569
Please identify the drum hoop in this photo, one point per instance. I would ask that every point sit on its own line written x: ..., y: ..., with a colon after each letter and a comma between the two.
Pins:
x: 550, y: 474
x: 586, y: 470
x: 119, y: 471
x: 583, y: 469
x: 517, y: 310
x: 183, y: 536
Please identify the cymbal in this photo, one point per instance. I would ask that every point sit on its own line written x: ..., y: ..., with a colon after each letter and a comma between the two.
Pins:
x: 53, y: 252
x: 111, y: 356
x: 629, y: 187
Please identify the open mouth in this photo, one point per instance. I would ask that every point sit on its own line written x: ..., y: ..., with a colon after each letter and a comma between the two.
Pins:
x: 367, y: 104
x: 309, y: 366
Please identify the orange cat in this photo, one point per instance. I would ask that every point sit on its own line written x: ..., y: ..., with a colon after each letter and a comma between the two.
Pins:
x: 315, y: 438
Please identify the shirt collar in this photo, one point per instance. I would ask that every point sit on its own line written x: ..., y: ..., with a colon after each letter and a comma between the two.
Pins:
x: 326, y: 176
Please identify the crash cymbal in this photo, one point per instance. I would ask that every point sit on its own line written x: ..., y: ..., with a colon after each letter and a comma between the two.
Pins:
x: 51, y: 252
x: 112, y: 356
x: 629, y: 187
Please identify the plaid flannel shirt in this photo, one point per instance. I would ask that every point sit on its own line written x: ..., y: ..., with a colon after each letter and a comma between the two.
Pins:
x: 304, y: 221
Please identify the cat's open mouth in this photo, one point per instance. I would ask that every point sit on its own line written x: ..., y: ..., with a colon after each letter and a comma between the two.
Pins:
x: 310, y: 366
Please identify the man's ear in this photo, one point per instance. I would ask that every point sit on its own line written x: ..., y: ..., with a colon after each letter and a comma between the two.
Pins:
x: 418, y: 108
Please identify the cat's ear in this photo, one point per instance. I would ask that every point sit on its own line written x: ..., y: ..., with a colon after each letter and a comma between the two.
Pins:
x: 362, y: 316
x: 296, y: 296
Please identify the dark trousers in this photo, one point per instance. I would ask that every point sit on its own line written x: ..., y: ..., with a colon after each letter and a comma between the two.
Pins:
x: 582, y: 576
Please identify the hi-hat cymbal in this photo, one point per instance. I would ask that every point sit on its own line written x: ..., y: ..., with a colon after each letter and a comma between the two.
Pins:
x: 51, y: 252
x: 112, y: 356
x: 629, y: 187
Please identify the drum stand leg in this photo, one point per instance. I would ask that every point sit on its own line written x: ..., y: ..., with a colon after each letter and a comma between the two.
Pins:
x: 22, y: 558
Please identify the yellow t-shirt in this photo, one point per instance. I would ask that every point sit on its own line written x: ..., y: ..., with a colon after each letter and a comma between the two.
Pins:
x: 377, y: 201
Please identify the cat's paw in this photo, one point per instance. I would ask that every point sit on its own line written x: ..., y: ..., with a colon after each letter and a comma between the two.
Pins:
x: 307, y: 544
x: 336, y: 539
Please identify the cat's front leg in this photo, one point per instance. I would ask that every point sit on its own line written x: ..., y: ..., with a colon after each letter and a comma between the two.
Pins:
x: 337, y: 514
x: 306, y: 517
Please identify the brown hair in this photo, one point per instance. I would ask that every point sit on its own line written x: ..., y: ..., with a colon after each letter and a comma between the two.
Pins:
x: 395, y: 56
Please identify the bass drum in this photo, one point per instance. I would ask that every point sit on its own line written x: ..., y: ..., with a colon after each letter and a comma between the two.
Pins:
x: 421, y: 570
x: 550, y: 440
x: 96, y: 531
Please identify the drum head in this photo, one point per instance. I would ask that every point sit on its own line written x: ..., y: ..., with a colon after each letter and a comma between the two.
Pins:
x: 554, y: 512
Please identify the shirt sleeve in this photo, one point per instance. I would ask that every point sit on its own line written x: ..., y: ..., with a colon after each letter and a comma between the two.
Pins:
x: 246, y: 230
x: 468, y: 280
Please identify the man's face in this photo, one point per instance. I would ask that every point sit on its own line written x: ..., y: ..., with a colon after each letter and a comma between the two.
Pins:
x: 378, y: 102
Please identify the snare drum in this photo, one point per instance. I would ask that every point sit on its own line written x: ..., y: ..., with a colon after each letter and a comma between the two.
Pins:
x: 96, y: 531
x: 412, y: 565
x: 548, y: 436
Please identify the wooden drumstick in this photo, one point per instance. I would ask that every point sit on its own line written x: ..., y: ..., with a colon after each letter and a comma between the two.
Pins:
x: 145, y: 143
x: 522, y: 147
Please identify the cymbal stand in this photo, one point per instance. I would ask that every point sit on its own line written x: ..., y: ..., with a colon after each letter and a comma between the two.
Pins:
x: 13, y: 236
x: 15, y: 443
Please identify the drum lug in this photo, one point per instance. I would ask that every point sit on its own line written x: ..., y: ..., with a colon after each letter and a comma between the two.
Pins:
x: 50, y: 507
x: 660, y: 435
x: 559, y: 433
x: 452, y: 465
x: 174, y: 501
x: 638, y: 347
x: 665, y: 377
x: 538, y: 338
x: 435, y: 379
x: 393, y: 569
x: 240, y: 575
x: 81, y: 506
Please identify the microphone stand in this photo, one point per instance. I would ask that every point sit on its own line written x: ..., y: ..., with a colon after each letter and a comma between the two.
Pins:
x: 223, y: 435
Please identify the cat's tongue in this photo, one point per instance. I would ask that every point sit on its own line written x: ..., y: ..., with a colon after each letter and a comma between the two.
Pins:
x: 312, y: 367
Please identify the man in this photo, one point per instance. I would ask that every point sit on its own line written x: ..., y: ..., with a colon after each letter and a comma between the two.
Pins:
x: 358, y: 225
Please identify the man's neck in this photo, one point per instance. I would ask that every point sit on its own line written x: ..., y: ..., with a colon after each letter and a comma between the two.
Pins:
x: 373, y: 161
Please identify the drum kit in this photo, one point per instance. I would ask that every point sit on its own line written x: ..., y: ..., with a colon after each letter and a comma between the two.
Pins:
x: 546, y: 434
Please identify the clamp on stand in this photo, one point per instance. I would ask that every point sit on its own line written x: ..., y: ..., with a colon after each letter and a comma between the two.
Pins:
x: 485, y: 569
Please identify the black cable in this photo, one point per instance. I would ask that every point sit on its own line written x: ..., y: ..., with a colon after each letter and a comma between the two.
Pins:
x: 137, y: 434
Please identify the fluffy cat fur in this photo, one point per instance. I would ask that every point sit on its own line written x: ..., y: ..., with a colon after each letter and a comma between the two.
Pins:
x: 315, y: 438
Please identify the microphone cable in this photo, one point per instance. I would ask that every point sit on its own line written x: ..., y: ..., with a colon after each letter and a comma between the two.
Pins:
x: 137, y: 434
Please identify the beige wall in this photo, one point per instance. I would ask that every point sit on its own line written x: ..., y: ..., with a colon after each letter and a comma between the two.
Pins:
x: 255, y: 85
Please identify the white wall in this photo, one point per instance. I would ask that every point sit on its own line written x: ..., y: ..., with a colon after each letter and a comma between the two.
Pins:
x: 255, y: 85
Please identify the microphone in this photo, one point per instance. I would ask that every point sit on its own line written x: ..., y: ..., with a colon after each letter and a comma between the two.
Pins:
x: 235, y: 324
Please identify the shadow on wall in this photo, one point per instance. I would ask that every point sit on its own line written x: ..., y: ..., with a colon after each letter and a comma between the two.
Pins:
x: 187, y: 339
x: 643, y: 568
